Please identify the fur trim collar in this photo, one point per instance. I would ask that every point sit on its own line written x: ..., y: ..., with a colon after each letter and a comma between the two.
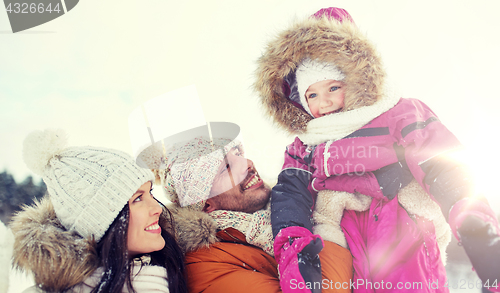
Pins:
x: 57, y: 258
x: 328, y: 41
x: 196, y: 229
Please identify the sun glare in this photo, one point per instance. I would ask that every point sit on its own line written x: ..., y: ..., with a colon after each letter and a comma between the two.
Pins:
x: 482, y: 163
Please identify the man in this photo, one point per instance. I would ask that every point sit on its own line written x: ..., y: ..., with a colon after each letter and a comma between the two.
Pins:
x: 225, y: 229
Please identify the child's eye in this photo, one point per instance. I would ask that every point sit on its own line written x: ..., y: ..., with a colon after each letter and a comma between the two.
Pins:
x: 311, y: 96
x: 334, y: 88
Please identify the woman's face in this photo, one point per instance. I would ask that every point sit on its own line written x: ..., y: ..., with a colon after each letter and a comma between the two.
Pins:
x: 144, y: 232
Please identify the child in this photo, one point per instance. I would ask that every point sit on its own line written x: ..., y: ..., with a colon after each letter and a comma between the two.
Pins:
x: 99, y: 228
x: 323, y: 81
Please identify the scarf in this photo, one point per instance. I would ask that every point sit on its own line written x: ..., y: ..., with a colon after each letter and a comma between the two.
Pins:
x: 145, y: 278
x: 339, y: 125
x: 256, y: 227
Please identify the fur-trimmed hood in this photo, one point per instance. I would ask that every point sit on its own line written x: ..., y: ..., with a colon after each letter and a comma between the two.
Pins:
x: 57, y: 258
x: 326, y: 40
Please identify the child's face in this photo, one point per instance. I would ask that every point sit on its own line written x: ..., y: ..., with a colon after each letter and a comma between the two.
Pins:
x: 325, y: 97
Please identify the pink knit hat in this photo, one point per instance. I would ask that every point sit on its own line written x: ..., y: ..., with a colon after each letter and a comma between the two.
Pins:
x: 334, y: 13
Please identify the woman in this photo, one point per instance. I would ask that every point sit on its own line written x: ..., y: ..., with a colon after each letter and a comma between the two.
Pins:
x: 99, y: 228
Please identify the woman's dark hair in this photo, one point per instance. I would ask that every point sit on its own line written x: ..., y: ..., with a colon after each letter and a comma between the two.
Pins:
x: 114, y: 258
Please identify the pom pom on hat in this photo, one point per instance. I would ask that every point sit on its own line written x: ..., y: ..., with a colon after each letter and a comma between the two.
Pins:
x: 310, y: 72
x: 153, y: 158
x: 41, y: 146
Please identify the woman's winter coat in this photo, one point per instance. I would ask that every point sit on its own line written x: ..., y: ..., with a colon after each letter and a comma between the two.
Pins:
x: 380, y: 146
x: 60, y: 260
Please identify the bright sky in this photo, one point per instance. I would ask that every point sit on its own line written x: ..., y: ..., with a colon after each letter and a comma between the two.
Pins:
x: 87, y: 70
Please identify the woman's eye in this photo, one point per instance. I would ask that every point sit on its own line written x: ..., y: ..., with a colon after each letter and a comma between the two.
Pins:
x: 137, y: 199
x: 334, y: 88
x: 311, y: 96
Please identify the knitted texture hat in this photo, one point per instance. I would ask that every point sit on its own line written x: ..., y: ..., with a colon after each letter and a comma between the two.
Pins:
x: 310, y: 72
x: 193, y: 166
x: 336, y: 13
x: 88, y: 186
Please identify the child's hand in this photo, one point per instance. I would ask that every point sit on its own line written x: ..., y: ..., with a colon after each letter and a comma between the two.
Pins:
x: 296, y: 249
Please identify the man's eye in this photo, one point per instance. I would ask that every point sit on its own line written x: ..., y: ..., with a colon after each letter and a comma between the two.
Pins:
x: 236, y: 151
x: 225, y: 168
x: 334, y: 88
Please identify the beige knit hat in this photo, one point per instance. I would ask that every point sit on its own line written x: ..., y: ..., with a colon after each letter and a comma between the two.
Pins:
x: 193, y: 166
x: 88, y: 186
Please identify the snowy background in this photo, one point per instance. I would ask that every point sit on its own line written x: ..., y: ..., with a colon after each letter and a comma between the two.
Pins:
x: 87, y: 70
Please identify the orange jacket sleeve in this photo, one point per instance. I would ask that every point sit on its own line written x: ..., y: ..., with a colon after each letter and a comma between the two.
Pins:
x: 231, y: 267
x: 336, y: 267
x: 239, y: 267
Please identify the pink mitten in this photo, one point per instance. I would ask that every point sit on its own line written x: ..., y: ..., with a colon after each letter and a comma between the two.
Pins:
x: 296, y: 251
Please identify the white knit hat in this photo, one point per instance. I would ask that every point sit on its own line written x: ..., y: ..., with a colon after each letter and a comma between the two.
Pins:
x: 312, y: 71
x: 88, y: 186
x: 193, y: 166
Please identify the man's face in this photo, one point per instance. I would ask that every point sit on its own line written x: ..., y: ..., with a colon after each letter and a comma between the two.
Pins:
x: 237, y: 186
